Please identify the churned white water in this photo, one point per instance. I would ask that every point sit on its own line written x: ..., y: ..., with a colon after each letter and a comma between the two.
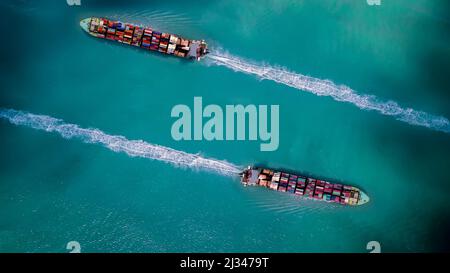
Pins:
x: 133, y: 148
x: 328, y: 88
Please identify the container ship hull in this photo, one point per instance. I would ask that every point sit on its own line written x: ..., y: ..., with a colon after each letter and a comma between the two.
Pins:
x: 303, y: 186
x: 144, y: 37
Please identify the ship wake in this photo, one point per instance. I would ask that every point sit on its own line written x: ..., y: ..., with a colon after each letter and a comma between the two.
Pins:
x: 322, y: 87
x: 133, y: 148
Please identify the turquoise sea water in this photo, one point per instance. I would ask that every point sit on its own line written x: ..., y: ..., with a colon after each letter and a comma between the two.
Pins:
x: 57, y: 187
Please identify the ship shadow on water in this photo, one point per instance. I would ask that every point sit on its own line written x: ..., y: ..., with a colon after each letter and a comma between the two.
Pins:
x: 282, y: 203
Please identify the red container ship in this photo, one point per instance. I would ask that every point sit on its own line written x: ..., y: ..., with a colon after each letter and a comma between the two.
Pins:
x: 304, y: 186
x: 144, y: 37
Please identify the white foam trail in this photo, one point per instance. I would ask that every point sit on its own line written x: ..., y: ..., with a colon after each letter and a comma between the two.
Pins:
x: 134, y: 148
x: 328, y: 88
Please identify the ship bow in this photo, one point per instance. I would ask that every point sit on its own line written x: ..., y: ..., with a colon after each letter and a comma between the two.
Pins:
x: 84, y: 24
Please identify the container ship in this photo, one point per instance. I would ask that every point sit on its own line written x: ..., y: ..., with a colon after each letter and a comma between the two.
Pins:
x: 300, y: 185
x: 144, y: 37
